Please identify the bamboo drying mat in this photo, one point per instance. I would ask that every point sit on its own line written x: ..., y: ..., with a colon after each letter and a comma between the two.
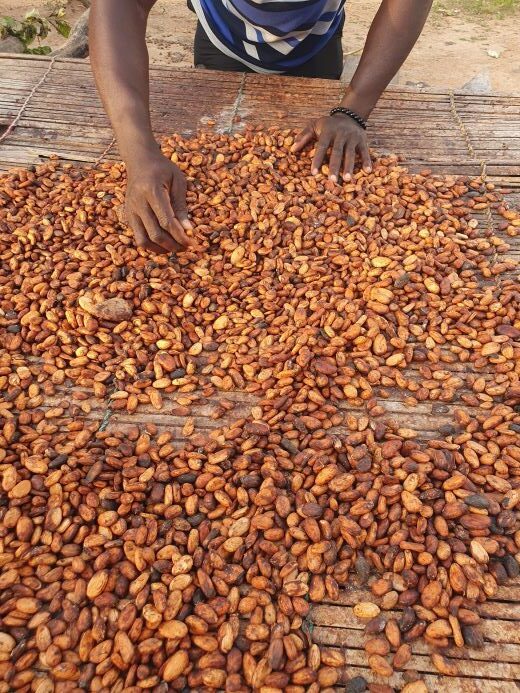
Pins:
x: 64, y: 115
x: 57, y: 111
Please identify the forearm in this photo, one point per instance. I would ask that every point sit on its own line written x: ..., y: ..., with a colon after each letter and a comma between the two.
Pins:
x: 119, y: 60
x: 394, y: 31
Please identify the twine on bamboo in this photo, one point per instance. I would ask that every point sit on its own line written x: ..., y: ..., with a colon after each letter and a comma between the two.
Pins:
x: 26, y: 101
x: 469, y: 145
x: 105, y: 151
x: 483, y: 171
x: 236, y: 105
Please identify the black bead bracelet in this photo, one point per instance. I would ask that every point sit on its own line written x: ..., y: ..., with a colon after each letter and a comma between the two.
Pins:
x: 351, y: 114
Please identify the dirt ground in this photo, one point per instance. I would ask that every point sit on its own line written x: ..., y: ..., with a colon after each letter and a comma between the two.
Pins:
x: 455, y: 47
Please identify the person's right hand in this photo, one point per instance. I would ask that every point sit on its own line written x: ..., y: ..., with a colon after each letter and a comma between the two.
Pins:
x: 155, y: 205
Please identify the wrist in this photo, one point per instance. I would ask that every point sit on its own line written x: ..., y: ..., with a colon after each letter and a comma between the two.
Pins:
x: 362, y: 104
x: 137, y: 148
x: 342, y: 111
x: 138, y: 156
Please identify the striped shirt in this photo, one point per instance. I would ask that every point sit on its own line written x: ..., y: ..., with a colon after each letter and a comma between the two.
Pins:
x: 270, y: 36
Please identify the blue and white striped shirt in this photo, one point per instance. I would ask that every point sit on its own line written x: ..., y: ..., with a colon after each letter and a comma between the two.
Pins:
x: 270, y: 36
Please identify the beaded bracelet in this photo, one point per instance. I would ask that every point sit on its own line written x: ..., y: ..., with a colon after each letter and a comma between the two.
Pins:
x: 351, y: 114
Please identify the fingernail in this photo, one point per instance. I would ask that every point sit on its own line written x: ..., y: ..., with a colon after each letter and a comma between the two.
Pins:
x: 314, y: 171
x: 347, y: 176
x: 367, y: 169
x: 334, y: 179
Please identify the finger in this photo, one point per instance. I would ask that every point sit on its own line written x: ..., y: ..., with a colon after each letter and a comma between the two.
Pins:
x: 366, y: 159
x: 161, y: 205
x: 336, y: 157
x: 156, y: 233
x: 303, y: 138
x: 320, y: 153
x: 348, y: 162
x: 180, y: 208
x: 141, y: 237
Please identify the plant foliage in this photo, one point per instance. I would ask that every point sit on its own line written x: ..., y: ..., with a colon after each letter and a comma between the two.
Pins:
x: 35, y: 28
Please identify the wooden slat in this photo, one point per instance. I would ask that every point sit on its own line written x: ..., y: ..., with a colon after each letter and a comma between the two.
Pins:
x: 494, y: 630
x: 509, y: 610
x: 504, y: 671
x: 436, y: 683
x: 355, y: 639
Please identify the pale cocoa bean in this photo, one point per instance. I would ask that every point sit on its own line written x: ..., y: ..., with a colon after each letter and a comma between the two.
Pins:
x: 380, y: 666
x: 366, y: 610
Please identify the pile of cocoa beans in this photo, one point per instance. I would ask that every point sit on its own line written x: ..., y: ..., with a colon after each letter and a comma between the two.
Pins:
x: 133, y: 559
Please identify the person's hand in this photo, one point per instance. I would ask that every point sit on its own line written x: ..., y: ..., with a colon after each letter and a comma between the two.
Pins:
x: 155, y: 205
x: 344, y: 137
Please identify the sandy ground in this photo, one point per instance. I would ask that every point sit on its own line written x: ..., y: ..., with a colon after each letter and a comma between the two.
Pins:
x: 451, y: 51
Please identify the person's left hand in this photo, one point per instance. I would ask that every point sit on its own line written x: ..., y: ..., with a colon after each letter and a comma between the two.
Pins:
x: 344, y: 137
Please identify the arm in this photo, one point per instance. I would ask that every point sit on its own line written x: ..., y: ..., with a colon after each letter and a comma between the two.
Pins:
x: 394, y: 31
x: 156, y: 192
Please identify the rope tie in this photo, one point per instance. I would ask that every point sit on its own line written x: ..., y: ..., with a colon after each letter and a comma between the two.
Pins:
x: 105, y: 151
x: 236, y: 105
x: 469, y: 145
x: 27, y: 100
x: 483, y: 172
x: 26, y: 103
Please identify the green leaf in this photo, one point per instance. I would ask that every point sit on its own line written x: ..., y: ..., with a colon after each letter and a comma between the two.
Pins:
x: 62, y: 27
x: 40, y: 50
x: 8, y: 22
x: 35, y: 26
x: 9, y: 26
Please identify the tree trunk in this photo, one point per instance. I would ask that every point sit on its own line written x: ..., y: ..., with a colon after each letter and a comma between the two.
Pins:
x: 77, y: 44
